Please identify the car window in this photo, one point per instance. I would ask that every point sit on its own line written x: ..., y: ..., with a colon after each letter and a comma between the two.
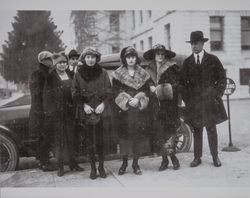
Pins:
x: 24, y: 100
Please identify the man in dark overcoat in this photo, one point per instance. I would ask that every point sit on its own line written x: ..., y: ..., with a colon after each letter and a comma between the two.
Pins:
x: 202, y: 84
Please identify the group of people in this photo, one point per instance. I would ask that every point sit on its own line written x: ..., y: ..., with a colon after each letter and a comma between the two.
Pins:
x: 73, y: 93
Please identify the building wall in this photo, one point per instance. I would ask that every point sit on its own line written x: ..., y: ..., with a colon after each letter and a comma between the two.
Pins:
x: 182, y: 23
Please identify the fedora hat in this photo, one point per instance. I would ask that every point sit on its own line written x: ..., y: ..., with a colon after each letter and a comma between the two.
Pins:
x: 197, y: 36
x: 150, y: 54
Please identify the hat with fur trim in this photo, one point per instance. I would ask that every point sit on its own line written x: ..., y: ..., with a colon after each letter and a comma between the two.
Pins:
x: 128, y: 51
x: 90, y: 51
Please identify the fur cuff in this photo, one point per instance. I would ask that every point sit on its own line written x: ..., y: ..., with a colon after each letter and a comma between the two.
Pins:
x: 164, y: 91
x: 122, y: 99
x: 143, y: 100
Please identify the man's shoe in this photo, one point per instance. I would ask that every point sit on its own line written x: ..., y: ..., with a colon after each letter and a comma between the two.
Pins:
x: 217, y: 162
x: 195, y: 162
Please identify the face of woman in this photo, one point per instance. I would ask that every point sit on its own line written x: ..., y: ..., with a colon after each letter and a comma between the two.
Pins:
x: 131, y: 60
x: 159, y: 56
x: 61, y: 66
x: 90, y: 60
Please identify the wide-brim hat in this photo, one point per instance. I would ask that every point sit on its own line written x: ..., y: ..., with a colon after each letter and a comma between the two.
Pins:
x: 128, y: 51
x: 90, y: 51
x: 150, y: 54
x: 73, y: 53
x: 197, y: 36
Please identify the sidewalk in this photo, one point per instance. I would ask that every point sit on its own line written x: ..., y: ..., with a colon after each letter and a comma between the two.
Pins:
x: 233, y: 173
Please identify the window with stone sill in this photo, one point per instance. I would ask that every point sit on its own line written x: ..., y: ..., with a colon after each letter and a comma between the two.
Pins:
x: 216, y: 32
x: 245, y: 33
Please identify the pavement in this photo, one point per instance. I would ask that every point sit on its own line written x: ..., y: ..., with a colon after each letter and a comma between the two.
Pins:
x: 233, y: 173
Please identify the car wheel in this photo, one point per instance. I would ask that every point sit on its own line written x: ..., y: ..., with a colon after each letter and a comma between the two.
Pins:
x: 9, y: 156
x: 184, y: 138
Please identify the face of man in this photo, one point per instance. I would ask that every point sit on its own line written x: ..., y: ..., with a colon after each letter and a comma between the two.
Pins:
x: 197, y: 46
x: 159, y: 56
x: 73, y: 60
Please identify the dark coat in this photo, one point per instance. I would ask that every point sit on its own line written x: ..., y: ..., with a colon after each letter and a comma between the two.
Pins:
x: 91, y: 85
x: 59, y: 112
x: 202, y: 87
x: 131, y: 123
x: 166, y: 115
x: 36, y: 115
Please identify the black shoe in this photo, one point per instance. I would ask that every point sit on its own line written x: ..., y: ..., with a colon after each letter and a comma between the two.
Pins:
x: 164, y: 164
x: 60, y: 171
x: 93, y: 174
x: 122, y: 169
x: 75, y: 167
x: 217, y: 162
x: 47, y: 166
x: 175, y: 162
x: 137, y: 169
x: 102, y: 172
x: 195, y: 162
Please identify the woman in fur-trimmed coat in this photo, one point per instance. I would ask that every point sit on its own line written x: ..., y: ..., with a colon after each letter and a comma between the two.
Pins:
x: 165, y: 74
x: 131, y: 92
x: 91, y: 90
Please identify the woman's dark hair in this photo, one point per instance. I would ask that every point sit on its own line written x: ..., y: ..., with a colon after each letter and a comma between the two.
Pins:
x: 129, y: 51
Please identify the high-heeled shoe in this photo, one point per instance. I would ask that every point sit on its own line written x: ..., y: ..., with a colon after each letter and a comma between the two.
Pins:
x: 175, y: 162
x: 93, y: 174
x: 164, y: 164
x: 122, y: 169
x: 60, y: 170
x: 102, y: 172
x: 137, y: 169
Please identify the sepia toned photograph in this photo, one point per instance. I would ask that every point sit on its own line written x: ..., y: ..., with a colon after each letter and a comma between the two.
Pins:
x: 125, y: 98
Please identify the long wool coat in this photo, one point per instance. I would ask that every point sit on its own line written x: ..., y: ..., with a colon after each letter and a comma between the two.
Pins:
x: 132, y: 124
x: 202, y: 87
x: 59, y: 112
x: 166, y: 116
x: 36, y: 116
x: 91, y: 85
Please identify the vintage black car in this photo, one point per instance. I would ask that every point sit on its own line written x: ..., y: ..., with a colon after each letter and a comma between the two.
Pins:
x: 15, y: 141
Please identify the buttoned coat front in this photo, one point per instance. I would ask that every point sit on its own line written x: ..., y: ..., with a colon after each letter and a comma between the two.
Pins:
x: 202, y: 87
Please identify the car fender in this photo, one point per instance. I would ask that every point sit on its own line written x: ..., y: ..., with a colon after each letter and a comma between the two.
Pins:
x: 5, y: 130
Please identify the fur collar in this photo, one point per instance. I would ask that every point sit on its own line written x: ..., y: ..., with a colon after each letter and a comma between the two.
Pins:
x: 90, y: 73
x: 137, y: 81
x: 152, y: 69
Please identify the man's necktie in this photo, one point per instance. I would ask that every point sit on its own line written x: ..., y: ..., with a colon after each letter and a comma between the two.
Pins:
x: 198, y: 59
